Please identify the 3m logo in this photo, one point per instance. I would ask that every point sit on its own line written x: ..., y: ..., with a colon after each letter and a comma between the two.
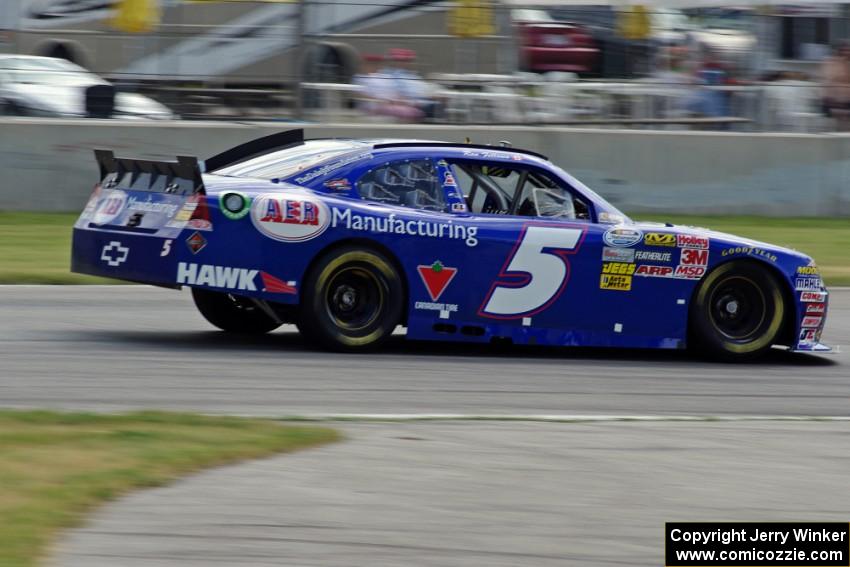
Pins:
x: 615, y: 282
x: 654, y: 271
x: 216, y: 276
x: 659, y: 239
x: 694, y: 257
x: 691, y: 241
x: 618, y: 268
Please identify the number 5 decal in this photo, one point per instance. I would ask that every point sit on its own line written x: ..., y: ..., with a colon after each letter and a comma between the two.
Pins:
x: 535, y: 274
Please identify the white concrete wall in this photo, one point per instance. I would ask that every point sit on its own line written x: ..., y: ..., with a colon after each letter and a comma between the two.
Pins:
x: 48, y: 164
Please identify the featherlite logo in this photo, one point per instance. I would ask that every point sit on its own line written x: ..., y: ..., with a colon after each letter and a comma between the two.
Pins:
x: 392, y: 225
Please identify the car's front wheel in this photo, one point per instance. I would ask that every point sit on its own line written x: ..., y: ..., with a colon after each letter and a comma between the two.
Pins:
x: 352, y: 300
x: 233, y: 313
x: 737, y: 312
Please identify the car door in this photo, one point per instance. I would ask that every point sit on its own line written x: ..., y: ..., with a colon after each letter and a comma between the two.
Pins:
x: 538, y: 261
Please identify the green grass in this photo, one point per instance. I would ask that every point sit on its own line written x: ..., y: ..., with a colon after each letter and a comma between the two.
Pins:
x: 827, y: 240
x: 55, y: 467
x: 35, y: 247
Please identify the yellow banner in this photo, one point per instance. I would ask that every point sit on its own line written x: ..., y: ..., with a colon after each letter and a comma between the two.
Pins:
x: 136, y: 16
x: 471, y: 18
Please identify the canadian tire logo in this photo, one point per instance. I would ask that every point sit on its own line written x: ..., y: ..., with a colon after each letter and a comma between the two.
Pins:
x: 289, y: 217
x: 436, y: 278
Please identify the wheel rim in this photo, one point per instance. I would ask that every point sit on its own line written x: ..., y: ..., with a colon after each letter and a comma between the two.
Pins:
x: 354, y: 298
x: 737, y: 308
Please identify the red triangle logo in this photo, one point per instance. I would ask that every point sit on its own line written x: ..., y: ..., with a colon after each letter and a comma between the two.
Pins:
x: 273, y: 285
x: 436, y: 278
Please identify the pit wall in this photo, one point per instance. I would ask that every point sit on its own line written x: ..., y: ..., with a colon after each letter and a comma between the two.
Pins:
x: 48, y: 165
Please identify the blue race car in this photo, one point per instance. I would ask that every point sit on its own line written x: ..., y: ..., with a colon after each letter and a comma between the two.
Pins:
x: 349, y: 239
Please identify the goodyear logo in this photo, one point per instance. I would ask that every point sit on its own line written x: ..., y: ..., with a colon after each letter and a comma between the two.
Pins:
x: 614, y: 281
x: 659, y: 239
x: 618, y: 268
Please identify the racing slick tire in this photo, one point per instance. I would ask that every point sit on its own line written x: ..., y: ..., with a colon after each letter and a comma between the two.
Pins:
x: 233, y: 313
x: 737, y: 313
x: 352, y: 300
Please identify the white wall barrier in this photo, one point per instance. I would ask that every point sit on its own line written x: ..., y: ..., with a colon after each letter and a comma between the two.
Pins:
x: 48, y: 165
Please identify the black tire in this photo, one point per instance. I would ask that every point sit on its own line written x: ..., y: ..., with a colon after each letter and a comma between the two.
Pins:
x: 737, y: 313
x: 233, y: 313
x: 352, y: 300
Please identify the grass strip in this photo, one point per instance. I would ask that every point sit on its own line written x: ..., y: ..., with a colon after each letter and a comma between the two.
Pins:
x: 35, y: 247
x: 56, y: 467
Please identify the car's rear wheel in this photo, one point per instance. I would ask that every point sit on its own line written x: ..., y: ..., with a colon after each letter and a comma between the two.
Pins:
x: 351, y: 300
x: 233, y: 313
x: 737, y: 312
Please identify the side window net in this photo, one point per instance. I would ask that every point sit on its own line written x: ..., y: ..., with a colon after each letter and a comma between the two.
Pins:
x: 410, y: 183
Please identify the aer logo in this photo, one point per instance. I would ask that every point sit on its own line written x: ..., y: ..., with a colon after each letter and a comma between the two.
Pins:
x: 216, y: 276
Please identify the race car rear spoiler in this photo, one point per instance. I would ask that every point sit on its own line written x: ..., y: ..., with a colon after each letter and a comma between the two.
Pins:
x: 182, y: 177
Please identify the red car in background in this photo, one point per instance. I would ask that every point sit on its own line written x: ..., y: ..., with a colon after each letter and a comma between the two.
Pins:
x: 549, y: 45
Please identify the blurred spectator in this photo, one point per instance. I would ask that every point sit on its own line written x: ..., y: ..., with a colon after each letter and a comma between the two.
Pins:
x: 411, y: 88
x: 710, y: 73
x: 381, y: 96
x: 836, y: 86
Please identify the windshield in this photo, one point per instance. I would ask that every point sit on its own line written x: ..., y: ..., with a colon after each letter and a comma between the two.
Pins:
x: 288, y: 162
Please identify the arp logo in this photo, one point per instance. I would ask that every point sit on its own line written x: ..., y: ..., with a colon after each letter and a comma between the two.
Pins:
x: 289, y: 217
x: 654, y: 271
x: 659, y: 239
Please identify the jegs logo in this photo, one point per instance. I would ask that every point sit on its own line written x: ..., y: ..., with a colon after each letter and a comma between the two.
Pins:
x: 290, y: 217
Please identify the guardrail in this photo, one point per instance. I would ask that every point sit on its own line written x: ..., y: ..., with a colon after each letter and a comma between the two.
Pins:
x: 48, y: 165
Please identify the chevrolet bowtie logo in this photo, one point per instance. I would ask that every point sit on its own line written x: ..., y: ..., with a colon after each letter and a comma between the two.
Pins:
x: 114, y: 254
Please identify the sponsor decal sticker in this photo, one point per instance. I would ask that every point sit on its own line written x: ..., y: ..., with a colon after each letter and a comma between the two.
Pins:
x: 812, y: 321
x: 325, y: 169
x: 691, y: 241
x: 808, y: 284
x: 650, y: 256
x: 689, y: 272
x: 807, y: 271
x: 289, y: 218
x: 694, y: 257
x: 150, y: 206
x: 749, y: 251
x: 196, y: 242
x: 610, y: 218
x: 618, y: 254
x: 816, y: 308
x: 393, y: 225
x: 615, y: 282
x: 458, y: 207
x: 110, y: 206
x: 199, y: 224
x: 622, y: 236
x: 659, y: 239
x: 114, y: 254
x: 618, y: 268
x: 234, y: 205
x: 436, y: 278
x: 216, y: 276
x: 654, y: 271
x: 338, y: 184
x: 449, y: 180
x: 813, y: 297
x: 808, y: 336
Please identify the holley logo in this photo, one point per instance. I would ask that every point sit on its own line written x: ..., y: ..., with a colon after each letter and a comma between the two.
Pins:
x: 289, y: 218
x: 436, y: 278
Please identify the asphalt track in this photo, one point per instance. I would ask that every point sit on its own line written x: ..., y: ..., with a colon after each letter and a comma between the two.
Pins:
x: 134, y: 347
